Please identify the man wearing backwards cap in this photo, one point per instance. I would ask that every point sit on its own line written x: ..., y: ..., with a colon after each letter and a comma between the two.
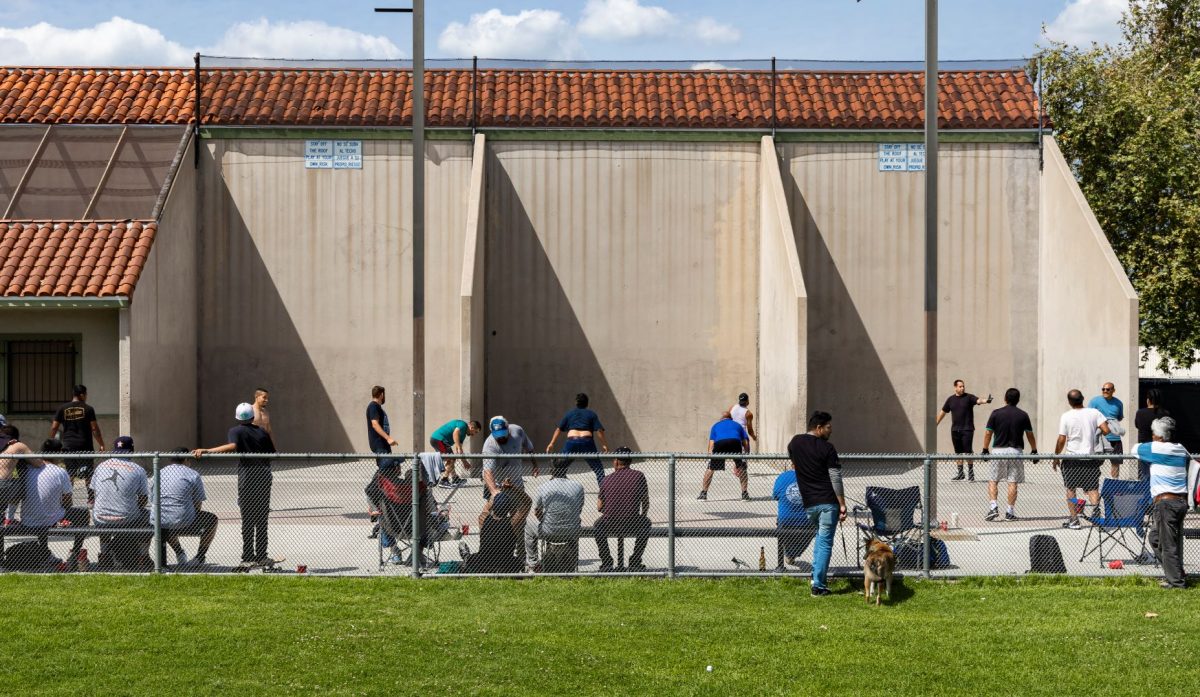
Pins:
x: 254, y: 481
x: 121, y: 493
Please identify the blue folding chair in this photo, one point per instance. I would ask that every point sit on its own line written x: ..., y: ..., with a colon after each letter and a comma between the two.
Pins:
x: 1126, y: 504
x: 890, y: 515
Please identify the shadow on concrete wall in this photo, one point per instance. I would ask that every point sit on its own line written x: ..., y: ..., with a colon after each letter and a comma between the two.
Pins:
x: 845, y: 374
x: 258, y: 342
x: 537, y: 354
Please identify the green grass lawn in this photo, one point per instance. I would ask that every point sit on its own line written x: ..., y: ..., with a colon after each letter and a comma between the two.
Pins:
x: 253, y: 635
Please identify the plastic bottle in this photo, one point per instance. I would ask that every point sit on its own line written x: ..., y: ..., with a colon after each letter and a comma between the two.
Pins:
x: 762, y: 558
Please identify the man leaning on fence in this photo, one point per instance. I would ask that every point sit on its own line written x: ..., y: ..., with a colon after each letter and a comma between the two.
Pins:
x: 819, y: 478
x: 254, y: 482
x: 623, y: 503
x: 1168, y: 463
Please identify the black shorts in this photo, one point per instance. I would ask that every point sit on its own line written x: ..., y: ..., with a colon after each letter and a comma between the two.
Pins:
x: 962, y: 441
x: 1081, y: 474
x: 726, y: 446
x: 203, y: 522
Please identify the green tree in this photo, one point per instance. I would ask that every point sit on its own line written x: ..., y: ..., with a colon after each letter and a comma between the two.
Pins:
x: 1128, y: 119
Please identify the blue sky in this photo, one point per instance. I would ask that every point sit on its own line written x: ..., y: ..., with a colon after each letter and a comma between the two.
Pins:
x: 145, y: 32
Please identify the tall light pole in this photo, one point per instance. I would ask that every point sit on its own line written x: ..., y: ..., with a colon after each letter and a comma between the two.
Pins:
x: 418, y: 216
x: 931, y: 240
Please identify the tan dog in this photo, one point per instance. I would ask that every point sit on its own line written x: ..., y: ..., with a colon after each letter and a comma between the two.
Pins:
x: 878, y: 565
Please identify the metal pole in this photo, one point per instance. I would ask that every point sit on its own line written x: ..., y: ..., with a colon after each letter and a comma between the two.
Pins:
x: 158, y: 541
x: 671, y: 518
x: 474, y: 94
x: 774, y: 98
x: 925, y: 513
x: 931, y: 238
x: 418, y: 223
x: 417, y: 551
x: 1041, y: 117
x: 196, y: 116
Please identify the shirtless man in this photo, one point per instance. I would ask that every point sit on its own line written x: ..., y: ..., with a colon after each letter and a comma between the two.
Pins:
x: 262, y: 417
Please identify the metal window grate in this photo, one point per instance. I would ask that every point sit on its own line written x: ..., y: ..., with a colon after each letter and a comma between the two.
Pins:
x: 39, y: 374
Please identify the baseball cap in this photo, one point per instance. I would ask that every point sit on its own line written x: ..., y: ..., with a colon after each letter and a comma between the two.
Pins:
x: 743, y: 397
x: 244, y: 412
x: 498, y: 426
x: 123, y: 444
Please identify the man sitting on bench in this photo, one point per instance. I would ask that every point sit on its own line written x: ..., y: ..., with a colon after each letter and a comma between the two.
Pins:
x: 47, y: 501
x: 181, y: 500
x: 623, y: 504
x: 556, y: 519
x: 121, y: 493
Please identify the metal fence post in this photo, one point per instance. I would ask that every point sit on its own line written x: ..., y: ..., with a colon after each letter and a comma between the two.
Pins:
x: 158, y: 541
x: 925, y: 533
x: 416, y: 516
x: 671, y: 518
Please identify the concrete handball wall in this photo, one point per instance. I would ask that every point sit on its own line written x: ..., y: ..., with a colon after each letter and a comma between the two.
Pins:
x: 782, y: 315
x: 860, y: 233
x: 627, y: 271
x: 162, y: 320
x: 472, y: 296
x: 1089, y: 308
x: 306, y: 288
x: 97, y: 330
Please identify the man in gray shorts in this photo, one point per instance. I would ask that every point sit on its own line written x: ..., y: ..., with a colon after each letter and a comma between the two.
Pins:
x: 1007, y: 429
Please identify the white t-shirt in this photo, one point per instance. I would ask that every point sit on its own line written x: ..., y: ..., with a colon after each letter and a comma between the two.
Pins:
x: 1080, y: 426
x: 44, y: 489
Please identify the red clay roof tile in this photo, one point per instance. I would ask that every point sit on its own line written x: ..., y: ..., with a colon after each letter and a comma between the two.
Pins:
x: 516, y: 98
x: 73, y: 258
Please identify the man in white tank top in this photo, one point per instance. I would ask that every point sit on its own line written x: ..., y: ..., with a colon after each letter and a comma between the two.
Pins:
x: 742, y: 414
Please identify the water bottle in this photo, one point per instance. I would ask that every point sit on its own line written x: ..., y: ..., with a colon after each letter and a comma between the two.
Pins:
x: 762, y: 558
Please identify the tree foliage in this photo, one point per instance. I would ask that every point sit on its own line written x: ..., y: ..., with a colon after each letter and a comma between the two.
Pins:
x: 1128, y: 119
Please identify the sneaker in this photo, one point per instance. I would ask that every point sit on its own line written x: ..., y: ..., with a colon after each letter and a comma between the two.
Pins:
x: 703, y: 496
x: 244, y: 566
x: 445, y: 484
x: 971, y: 476
x: 1072, y: 524
x: 1096, y: 511
x: 745, y: 496
x: 395, y: 559
x: 818, y: 591
x: 993, y: 514
x: 464, y: 551
x: 958, y: 477
x: 181, y: 558
x: 374, y: 532
x: 1010, y: 516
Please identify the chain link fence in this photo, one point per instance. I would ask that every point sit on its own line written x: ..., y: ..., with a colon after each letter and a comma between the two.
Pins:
x: 540, y: 514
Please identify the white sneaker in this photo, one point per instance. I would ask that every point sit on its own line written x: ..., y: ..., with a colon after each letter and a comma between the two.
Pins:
x: 181, y: 558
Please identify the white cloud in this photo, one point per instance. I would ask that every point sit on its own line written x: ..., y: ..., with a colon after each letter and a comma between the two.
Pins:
x: 711, y: 31
x: 624, y: 20
x: 1083, y: 21
x: 493, y: 34
x: 117, y: 41
x: 302, y: 39
x: 709, y: 65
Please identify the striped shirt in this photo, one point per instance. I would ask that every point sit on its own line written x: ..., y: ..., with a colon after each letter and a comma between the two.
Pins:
x: 1168, y: 466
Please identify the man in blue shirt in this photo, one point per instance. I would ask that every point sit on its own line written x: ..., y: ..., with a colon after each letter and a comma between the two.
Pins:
x: 1113, y: 410
x: 726, y: 437
x: 1168, y: 485
x: 796, y: 531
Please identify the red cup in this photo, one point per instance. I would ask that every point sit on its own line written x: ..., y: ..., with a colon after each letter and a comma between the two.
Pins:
x: 466, y: 528
x: 302, y: 568
x: 1116, y: 564
x: 943, y: 525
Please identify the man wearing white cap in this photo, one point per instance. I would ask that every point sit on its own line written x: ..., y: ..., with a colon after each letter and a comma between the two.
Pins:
x: 254, y: 481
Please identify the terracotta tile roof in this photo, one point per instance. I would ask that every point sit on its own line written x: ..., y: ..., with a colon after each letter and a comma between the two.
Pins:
x: 516, y: 98
x: 73, y: 258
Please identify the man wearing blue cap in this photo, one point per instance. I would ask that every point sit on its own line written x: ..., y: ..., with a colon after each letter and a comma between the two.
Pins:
x: 506, y: 474
x: 121, y: 491
x: 254, y: 482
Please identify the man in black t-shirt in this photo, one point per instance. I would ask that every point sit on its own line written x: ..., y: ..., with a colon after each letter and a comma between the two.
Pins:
x: 77, y: 421
x: 1007, y: 429
x: 819, y: 479
x: 254, y: 482
x: 961, y: 408
x: 379, y: 431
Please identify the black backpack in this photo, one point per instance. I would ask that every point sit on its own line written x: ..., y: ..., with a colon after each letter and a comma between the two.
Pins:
x: 1044, y: 556
x: 30, y: 555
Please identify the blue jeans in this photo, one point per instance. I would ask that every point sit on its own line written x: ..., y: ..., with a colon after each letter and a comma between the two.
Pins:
x: 585, y: 445
x: 825, y: 517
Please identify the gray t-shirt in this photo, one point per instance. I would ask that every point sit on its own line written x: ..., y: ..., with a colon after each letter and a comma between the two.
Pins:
x: 182, y: 489
x: 561, y: 502
x: 117, y: 484
x: 44, y: 490
x: 517, y: 443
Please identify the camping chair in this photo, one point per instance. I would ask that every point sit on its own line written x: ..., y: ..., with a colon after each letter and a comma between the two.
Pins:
x: 890, y: 515
x: 1126, y: 504
x: 395, y: 519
